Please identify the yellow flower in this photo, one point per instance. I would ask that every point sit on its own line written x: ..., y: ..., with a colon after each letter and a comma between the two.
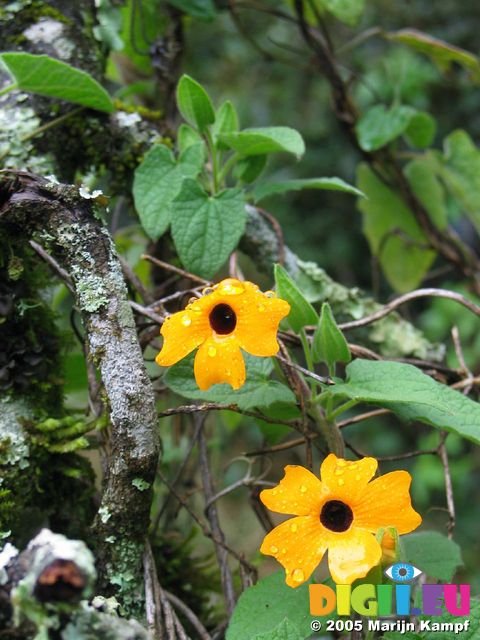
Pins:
x: 341, y: 514
x: 230, y: 316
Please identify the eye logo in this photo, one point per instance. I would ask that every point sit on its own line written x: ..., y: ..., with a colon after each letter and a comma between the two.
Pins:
x: 402, y: 572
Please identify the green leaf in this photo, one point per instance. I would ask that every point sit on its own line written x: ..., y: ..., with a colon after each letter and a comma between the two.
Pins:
x: 206, y: 229
x: 301, y: 313
x: 248, y: 169
x: 194, y: 103
x: 348, y: 11
x: 379, y: 126
x: 472, y: 633
x: 461, y: 172
x: 158, y: 180
x: 201, y: 9
x: 442, y: 53
x: 412, y: 395
x: 393, y: 233
x: 263, y: 607
x: 187, y: 136
x: 421, y: 130
x: 49, y: 77
x: 254, y: 142
x: 433, y: 553
x: 226, y: 121
x: 286, y: 630
x: 258, y: 391
x: 421, y: 174
x: 329, y: 344
x: 266, y: 189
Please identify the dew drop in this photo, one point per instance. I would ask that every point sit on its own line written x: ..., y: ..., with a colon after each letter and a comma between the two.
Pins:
x: 284, y: 551
x: 303, y: 489
x: 207, y: 291
x: 293, y: 528
x: 341, y: 463
x: 192, y: 300
x: 270, y: 294
x: 357, y: 477
x: 341, y: 481
x: 261, y: 307
x: 231, y: 287
x: 338, y: 472
x: 212, y: 352
x: 186, y: 320
x: 298, y: 575
x: 274, y: 492
x: 274, y: 549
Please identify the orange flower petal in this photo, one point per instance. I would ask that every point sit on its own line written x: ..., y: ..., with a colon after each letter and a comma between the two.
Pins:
x: 219, y: 361
x: 345, y: 479
x: 182, y: 333
x: 352, y: 555
x: 386, y: 503
x: 298, y: 545
x: 299, y: 493
x: 258, y: 320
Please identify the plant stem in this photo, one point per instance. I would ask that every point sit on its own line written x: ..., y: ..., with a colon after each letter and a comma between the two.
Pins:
x: 229, y: 163
x: 308, y: 359
x: 331, y: 415
x: 51, y: 124
x: 214, y: 159
x: 8, y: 88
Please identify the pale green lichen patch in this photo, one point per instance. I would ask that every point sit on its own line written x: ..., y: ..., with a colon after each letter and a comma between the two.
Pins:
x: 129, y: 586
x: 91, y: 291
x: 104, y: 514
x: 14, y: 449
x: 141, y: 484
x: 16, y: 125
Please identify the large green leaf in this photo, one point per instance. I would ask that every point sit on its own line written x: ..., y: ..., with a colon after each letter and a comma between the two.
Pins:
x: 255, y: 142
x: 301, y: 311
x: 442, y: 53
x: 412, y: 395
x: 258, y: 391
x: 261, y: 608
x: 422, y: 176
x: 393, y: 233
x: 266, y: 189
x: 461, y: 172
x: 201, y: 9
x: 379, y: 125
x: 472, y: 633
x: 194, y: 103
x: 436, y: 555
x: 421, y: 130
x: 348, y: 11
x: 157, y: 182
x: 206, y: 229
x: 49, y: 77
x: 286, y: 630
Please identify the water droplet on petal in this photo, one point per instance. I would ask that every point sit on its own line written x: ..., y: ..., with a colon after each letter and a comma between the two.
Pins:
x: 357, y: 477
x: 231, y: 287
x: 270, y: 294
x: 274, y: 549
x: 341, y: 481
x: 261, y: 307
x: 207, y: 291
x: 192, y: 300
x: 186, y: 320
x: 341, y: 463
x: 293, y: 528
x: 298, y: 575
x: 338, y: 472
x: 212, y: 352
x: 303, y: 489
x: 284, y: 551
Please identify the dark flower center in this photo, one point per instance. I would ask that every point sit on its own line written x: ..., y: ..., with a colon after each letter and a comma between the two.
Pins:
x: 223, y: 319
x: 336, y: 516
